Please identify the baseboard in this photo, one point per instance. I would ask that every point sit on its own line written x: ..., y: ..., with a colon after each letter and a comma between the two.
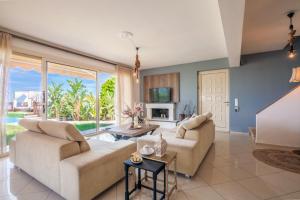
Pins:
x: 273, y: 146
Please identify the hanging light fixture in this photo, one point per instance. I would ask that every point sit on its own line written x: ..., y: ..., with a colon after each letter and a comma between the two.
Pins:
x: 291, y: 51
x: 295, y: 75
x: 137, y: 65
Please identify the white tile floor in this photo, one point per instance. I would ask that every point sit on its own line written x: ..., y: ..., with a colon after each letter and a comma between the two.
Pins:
x: 229, y: 172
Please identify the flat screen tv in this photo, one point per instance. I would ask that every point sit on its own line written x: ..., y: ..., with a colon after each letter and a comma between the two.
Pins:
x: 160, y: 95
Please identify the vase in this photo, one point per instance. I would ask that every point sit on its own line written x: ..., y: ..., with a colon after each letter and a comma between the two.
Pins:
x: 160, y: 146
x: 132, y: 122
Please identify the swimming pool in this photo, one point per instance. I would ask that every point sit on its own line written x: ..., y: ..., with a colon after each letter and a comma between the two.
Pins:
x: 11, y: 120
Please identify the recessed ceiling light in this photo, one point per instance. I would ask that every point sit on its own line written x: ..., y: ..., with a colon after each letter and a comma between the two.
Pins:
x: 126, y: 35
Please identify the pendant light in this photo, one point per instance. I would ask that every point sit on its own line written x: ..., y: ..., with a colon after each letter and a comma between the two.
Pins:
x: 137, y: 65
x: 291, y: 51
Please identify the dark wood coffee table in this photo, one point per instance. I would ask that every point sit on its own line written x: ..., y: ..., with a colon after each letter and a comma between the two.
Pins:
x: 124, y: 131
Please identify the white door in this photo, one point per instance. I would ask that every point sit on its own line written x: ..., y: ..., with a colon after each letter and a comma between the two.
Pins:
x: 213, y: 96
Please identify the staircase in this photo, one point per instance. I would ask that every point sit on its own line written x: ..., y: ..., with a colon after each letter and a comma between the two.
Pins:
x: 279, y: 123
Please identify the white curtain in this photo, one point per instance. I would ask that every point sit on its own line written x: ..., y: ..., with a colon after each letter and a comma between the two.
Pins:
x: 5, y: 54
x: 125, y: 92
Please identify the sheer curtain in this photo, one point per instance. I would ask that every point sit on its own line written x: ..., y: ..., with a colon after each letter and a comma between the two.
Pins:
x: 125, y: 92
x: 5, y: 54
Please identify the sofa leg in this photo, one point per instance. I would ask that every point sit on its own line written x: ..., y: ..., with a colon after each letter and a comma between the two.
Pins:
x: 187, y: 176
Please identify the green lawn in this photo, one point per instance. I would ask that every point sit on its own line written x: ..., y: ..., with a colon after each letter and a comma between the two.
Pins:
x: 16, y: 114
x: 87, y: 125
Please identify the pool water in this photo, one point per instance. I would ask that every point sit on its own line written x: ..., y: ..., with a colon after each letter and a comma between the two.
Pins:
x: 11, y: 120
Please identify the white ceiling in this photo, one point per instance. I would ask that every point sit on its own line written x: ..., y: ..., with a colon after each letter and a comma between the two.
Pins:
x: 169, y: 32
x: 266, y: 25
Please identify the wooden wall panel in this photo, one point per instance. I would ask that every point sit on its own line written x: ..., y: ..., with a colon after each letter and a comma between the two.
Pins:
x: 162, y: 80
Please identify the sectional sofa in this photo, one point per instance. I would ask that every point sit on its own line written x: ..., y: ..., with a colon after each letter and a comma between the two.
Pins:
x: 58, y: 156
x: 191, y: 140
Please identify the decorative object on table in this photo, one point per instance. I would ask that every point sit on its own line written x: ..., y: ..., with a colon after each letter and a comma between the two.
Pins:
x: 133, y: 114
x: 136, y: 158
x: 146, y: 150
x: 160, y: 146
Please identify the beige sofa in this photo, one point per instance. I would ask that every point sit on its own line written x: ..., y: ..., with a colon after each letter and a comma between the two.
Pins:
x: 77, y: 170
x: 191, y: 149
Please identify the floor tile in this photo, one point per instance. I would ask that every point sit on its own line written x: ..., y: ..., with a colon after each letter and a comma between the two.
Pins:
x: 260, y: 188
x: 203, y: 193
x: 235, y: 173
x: 234, y: 191
x: 213, y: 176
x: 53, y: 196
x: 282, y: 181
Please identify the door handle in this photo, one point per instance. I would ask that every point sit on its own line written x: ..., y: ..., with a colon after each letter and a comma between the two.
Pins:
x: 227, y: 102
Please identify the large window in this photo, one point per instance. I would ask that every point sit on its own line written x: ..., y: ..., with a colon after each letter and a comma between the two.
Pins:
x: 24, y: 92
x: 107, y: 84
x: 58, y: 92
x: 72, y: 96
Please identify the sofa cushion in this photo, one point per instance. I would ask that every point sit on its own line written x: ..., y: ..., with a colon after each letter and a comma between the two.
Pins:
x: 31, y: 125
x: 62, y: 130
x: 180, y: 131
x: 65, y: 131
x: 194, y: 122
x: 208, y: 115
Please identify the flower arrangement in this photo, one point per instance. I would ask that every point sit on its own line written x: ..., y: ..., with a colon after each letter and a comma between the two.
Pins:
x: 132, y: 113
x: 137, y: 109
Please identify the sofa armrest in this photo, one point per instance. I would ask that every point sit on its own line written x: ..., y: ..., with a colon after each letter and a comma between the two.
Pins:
x: 186, y: 150
x: 85, y: 175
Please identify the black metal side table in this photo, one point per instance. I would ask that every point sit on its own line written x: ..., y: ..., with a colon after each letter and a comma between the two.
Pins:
x: 150, y: 166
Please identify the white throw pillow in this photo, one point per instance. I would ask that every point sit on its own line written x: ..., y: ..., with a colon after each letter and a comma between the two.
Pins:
x: 194, y: 122
x: 31, y: 125
x: 180, y: 131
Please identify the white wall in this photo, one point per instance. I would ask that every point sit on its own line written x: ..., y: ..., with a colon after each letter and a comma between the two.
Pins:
x: 59, y: 56
x: 279, y: 124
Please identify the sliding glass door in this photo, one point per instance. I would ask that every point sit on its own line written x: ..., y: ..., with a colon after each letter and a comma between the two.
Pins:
x: 24, y: 89
x: 38, y: 89
x: 107, y: 96
x: 72, y: 96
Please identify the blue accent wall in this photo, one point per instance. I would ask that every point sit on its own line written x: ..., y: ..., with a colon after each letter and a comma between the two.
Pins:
x: 259, y: 81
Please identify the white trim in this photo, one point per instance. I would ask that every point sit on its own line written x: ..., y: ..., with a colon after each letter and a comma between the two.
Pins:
x: 226, y: 71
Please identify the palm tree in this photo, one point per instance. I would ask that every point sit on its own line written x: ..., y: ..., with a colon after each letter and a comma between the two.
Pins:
x: 75, y: 97
x: 55, y: 92
x: 107, y: 95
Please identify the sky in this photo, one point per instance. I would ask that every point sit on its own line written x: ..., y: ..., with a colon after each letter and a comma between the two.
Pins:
x: 24, y: 80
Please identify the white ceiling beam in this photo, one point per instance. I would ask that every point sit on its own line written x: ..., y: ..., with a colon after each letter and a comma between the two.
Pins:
x: 232, y: 15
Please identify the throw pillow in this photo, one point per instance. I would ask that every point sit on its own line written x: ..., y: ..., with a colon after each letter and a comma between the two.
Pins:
x: 194, y: 122
x: 208, y: 115
x: 31, y: 125
x: 180, y: 131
